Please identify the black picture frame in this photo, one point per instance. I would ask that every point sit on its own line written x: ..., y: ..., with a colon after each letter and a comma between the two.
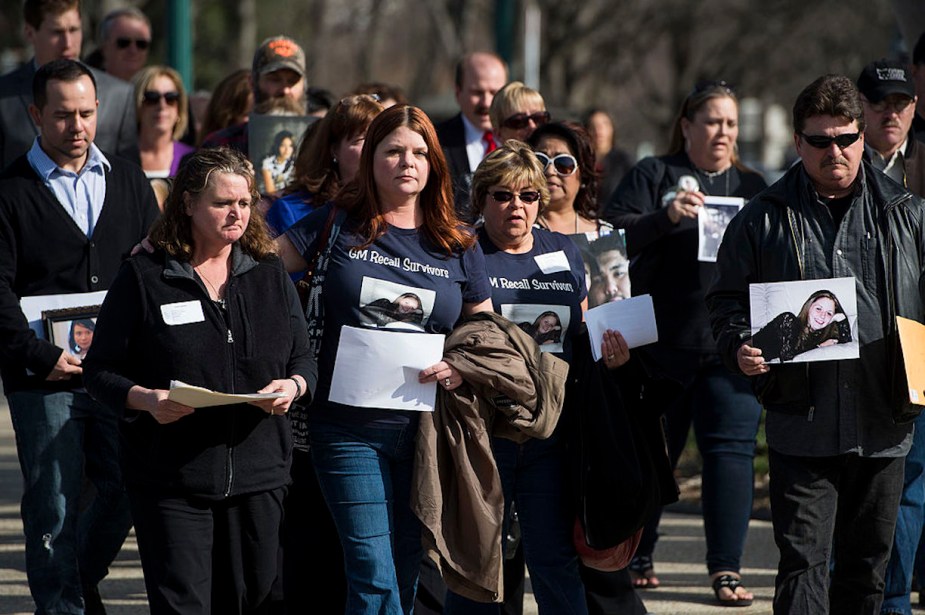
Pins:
x: 58, y: 326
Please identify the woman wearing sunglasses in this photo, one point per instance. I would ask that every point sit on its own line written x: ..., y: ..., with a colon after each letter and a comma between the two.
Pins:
x: 509, y: 190
x: 516, y: 111
x: 658, y: 204
x: 162, y: 111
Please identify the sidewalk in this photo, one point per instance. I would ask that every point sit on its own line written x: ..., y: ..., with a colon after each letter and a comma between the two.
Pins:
x: 678, y: 558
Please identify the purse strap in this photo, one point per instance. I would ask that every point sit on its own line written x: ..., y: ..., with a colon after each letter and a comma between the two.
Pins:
x: 304, y: 285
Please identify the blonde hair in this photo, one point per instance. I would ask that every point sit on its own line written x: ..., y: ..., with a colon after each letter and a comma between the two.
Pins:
x: 514, y: 163
x: 515, y: 97
x: 143, y: 80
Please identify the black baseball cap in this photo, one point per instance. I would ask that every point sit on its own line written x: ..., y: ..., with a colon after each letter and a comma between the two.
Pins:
x: 884, y: 77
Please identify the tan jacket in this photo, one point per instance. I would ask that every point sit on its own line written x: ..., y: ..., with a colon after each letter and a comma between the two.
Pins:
x: 510, y: 389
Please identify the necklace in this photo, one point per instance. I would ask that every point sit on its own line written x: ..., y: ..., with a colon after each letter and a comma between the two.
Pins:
x: 218, y: 296
x: 544, y: 223
x: 709, y: 176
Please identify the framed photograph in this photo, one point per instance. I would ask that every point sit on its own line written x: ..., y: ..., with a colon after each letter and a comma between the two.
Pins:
x: 274, y: 141
x: 71, y: 328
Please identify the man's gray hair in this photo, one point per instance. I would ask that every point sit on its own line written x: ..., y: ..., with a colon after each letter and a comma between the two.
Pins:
x: 112, y: 16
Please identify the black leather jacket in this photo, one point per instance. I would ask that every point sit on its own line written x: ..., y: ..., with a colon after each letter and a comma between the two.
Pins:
x: 783, y: 234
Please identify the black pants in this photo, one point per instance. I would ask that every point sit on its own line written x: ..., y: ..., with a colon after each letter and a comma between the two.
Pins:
x: 839, y: 508
x: 313, y: 561
x: 201, y: 557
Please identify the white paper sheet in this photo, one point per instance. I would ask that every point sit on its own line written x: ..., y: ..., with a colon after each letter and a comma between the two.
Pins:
x: 379, y: 369
x: 32, y: 307
x: 634, y: 318
x: 198, y: 397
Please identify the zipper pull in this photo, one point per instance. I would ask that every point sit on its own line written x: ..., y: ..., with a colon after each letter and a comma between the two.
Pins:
x: 809, y: 417
x: 230, y: 337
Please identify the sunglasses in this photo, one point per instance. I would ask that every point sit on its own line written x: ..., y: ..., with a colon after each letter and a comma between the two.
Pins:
x: 564, y: 164
x: 519, y: 121
x: 823, y: 142
x: 504, y: 196
x: 897, y: 105
x: 150, y: 97
x: 140, y: 43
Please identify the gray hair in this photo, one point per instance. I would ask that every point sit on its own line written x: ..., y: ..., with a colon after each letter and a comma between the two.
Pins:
x: 110, y: 19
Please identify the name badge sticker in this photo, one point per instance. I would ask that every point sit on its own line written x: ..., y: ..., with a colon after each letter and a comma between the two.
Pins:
x: 182, y: 313
x: 552, y: 262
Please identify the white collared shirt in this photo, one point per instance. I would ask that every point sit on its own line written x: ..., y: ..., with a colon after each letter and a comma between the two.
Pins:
x: 895, y: 167
x: 81, y: 194
x: 475, y: 145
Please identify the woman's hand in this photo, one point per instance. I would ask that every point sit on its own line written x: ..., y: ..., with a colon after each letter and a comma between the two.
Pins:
x: 829, y: 342
x: 155, y: 402
x: 279, y: 405
x: 614, y: 350
x: 750, y: 360
x: 685, y: 205
x: 442, y: 373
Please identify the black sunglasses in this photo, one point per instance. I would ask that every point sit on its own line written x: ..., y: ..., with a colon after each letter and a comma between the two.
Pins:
x: 823, y: 142
x: 519, y: 121
x: 150, y: 97
x: 503, y: 196
x: 564, y: 164
x: 140, y: 43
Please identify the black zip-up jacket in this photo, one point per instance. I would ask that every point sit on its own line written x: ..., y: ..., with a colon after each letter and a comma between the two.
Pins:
x: 214, y: 452
x: 785, y: 234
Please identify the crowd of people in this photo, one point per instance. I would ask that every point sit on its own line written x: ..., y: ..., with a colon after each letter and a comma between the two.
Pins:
x: 227, y: 250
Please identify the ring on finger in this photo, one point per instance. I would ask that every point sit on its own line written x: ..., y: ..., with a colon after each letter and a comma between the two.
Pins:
x: 446, y: 382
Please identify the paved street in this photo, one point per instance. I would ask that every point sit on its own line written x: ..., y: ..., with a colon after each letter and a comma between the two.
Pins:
x: 679, y: 559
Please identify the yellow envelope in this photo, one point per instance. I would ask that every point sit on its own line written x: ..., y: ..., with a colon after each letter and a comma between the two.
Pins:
x: 912, y: 338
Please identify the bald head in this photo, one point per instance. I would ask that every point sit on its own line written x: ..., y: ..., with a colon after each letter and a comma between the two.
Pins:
x: 479, y: 76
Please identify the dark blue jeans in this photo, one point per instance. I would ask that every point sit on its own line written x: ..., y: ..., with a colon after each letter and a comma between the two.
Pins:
x: 365, y: 476
x: 533, y: 476
x: 725, y: 416
x: 825, y: 508
x: 60, y: 437
x: 898, y: 579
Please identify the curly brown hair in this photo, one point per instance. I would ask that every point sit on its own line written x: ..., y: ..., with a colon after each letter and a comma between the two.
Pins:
x: 173, y: 230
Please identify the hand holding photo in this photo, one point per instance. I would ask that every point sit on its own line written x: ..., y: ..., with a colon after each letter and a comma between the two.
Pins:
x: 634, y: 318
x: 804, y: 321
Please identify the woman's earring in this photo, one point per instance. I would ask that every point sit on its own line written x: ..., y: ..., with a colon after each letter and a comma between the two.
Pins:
x: 334, y: 159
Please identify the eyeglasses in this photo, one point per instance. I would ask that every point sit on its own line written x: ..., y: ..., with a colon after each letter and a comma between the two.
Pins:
x: 141, y: 44
x: 519, y: 121
x: 564, y: 164
x: 151, y: 97
x: 504, y: 196
x: 897, y: 105
x: 824, y: 142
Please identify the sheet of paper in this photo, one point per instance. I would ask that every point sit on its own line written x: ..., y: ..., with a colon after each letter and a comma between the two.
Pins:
x: 32, y: 307
x: 634, y: 318
x: 912, y: 339
x: 379, y: 369
x: 198, y: 397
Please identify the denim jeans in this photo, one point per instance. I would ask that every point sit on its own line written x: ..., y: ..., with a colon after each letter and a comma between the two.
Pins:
x: 825, y: 508
x: 533, y: 476
x: 725, y: 416
x: 898, y: 579
x: 365, y: 476
x: 60, y: 438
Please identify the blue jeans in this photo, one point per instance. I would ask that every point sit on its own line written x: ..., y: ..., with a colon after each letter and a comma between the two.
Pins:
x: 365, y: 476
x: 533, y: 477
x: 898, y: 578
x: 60, y: 438
x: 725, y: 416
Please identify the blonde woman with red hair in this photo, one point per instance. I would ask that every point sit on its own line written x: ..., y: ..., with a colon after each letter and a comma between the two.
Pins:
x: 400, y: 235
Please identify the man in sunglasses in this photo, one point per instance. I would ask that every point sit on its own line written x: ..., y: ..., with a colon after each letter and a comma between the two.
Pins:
x: 124, y: 40
x: 838, y: 431
x: 53, y: 28
x: 888, y: 95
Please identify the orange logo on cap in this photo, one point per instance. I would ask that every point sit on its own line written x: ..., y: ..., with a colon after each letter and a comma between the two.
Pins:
x: 284, y: 48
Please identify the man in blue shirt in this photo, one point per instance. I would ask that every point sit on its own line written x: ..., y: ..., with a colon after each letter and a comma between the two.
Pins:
x: 68, y: 216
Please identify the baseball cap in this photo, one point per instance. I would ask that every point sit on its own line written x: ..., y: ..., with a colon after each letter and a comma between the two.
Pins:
x: 279, y: 52
x: 884, y: 77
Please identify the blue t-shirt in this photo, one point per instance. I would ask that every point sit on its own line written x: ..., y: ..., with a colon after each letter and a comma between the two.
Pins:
x: 289, y: 209
x: 540, y: 290
x: 397, y: 282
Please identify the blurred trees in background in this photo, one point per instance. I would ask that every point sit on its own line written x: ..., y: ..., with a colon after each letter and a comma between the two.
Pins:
x: 635, y: 58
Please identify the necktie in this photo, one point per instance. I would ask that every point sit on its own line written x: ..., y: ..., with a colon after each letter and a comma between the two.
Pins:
x: 489, y: 140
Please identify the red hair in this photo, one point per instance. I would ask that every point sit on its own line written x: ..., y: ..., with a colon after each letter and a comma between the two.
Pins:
x: 361, y: 197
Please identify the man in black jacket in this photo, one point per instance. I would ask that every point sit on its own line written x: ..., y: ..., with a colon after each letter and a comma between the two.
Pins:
x: 837, y: 430
x: 68, y: 216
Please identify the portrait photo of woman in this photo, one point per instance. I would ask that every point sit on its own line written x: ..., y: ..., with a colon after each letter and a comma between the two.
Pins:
x: 821, y: 323
x: 546, y: 329
x: 80, y: 336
